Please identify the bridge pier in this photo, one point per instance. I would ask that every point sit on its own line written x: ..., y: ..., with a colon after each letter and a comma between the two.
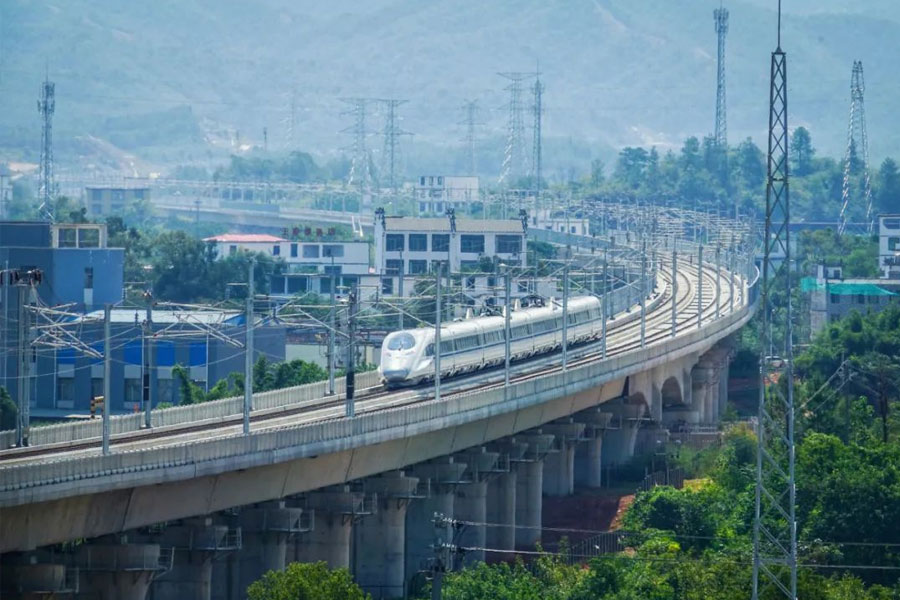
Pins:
x: 29, y: 578
x: 529, y: 488
x: 589, y: 454
x: 265, y: 530
x: 196, y: 543
x: 619, y: 439
x: 470, y: 503
x: 111, y: 570
x: 501, y: 498
x: 559, y: 466
x: 336, y: 508
x: 378, y: 544
x: 437, y: 481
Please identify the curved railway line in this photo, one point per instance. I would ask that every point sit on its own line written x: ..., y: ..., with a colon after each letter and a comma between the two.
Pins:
x: 622, y: 337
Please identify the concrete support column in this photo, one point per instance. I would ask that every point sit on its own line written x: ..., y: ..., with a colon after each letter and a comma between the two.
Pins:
x: 336, y: 509
x: 195, y: 542
x: 118, y: 571
x: 26, y: 578
x: 266, y: 529
x: 589, y: 454
x: 529, y: 503
x: 559, y: 466
x: 470, y: 504
x: 437, y: 482
x: 619, y: 439
x: 378, y: 546
x: 501, y: 509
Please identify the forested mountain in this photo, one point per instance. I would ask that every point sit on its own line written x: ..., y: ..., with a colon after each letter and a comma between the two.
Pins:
x: 172, y: 80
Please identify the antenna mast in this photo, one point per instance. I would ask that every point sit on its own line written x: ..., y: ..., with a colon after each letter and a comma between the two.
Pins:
x: 46, y: 107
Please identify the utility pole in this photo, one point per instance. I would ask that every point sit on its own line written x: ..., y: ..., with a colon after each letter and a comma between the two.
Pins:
x: 674, y: 290
x: 846, y: 397
x: 775, y: 540
x: 248, y: 348
x: 565, y: 318
x: 107, y: 374
x: 720, y: 15
x: 150, y: 360
x: 536, y: 151
x: 699, y: 285
x: 604, y: 305
x: 359, y: 174
x: 471, y: 110
x: 400, y: 292
x: 718, y: 276
x: 350, y: 409
x: 507, y: 315
x: 437, y: 333
x: 514, y: 155
x: 24, y: 383
x: 331, y: 334
x: 857, y: 140
x: 392, y: 133
x: 46, y: 107
x: 644, y: 295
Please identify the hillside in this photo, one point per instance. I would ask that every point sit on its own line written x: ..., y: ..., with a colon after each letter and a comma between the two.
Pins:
x: 184, y: 80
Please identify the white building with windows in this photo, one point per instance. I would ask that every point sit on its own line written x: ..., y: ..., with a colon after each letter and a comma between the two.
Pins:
x: 436, y: 193
x: 889, y: 246
x: 412, y: 246
x: 310, y: 264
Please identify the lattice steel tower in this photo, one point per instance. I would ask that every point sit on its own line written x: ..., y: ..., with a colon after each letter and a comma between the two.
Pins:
x: 775, y: 522
x: 536, y: 151
x: 360, y: 174
x: 858, y: 139
x: 46, y: 107
x: 470, y: 108
x: 514, y: 162
x: 390, y: 158
x: 721, y: 18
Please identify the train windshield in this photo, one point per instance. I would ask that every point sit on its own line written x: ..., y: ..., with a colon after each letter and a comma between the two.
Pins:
x: 401, y: 341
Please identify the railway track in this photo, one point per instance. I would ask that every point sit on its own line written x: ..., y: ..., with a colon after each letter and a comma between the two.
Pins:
x: 621, y: 338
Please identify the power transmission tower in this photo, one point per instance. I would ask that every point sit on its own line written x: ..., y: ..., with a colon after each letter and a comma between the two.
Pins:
x: 471, y: 111
x: 360, y: 174
x: 46, y: 107
x: 775, y: 523
x: 390, y: 159
x: 858, y: 139
x: 721, y: 19
x: 514, y: 156
x: 536, y: 153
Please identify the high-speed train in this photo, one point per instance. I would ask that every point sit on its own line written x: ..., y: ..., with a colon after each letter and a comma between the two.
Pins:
x: 407, y: 356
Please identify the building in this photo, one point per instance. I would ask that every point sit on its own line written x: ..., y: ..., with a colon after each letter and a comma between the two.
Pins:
x: 310, y: 264
x: 434, y: 194
x: 78, y: 269
x: 561, y: 222
x: 65, y: 379
x: 832, y: 297
x: 889, y: 246
x: 105, y: 201
x: 412, y: 246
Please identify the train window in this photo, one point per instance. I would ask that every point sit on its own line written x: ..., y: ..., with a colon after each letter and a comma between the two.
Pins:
x: 447, y: 347
x: 429, y: 350
x: 401, y: 341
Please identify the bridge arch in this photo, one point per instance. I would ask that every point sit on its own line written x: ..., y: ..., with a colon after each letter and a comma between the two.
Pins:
x: 671, y: 393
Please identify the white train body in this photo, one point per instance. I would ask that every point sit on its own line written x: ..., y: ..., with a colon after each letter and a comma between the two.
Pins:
x: 407, y: 356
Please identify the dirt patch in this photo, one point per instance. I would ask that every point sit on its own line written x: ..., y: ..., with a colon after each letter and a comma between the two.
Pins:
x: 587, y: 511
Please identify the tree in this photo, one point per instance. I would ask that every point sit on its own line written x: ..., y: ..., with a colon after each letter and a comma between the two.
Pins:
x: 597, y: 177
x: 630, y: 166
x: 887, y: 186
x: 751, y: 165
x: 8, y: 411
x: 803, y: 152
x: 306, y: 581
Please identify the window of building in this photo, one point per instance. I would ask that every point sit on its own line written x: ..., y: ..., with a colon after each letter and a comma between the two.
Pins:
x: 393, y: 266
x: 276, y: 250
x: 473, y: 244
x: 440, y: 242
x: 293, y: 250
x: 418, y: 242
x: 310, y: 251
x: 470, y: 283
x: 418, y: 267
x: 508, y: 244
x: 332, y: 270
x: 297, y: 285
x: 440, y: 181
x: 468, y: 266
x: 164, y: 390
x: 132, y: 391
x: 97, y: 195
x: 835, y: 299
x: 232, y: 249
x: 894, y: 243
x: 67, y: 237
x: 394, y: 242
x: 89, y: 278
x: 860, y: 299
x: 891, y: 223
x: 492, y: 282
x: 333, y: 250
x: 88, y: 237
x: 387, y: 285
x: 65, y: 390
x: 422, y: 180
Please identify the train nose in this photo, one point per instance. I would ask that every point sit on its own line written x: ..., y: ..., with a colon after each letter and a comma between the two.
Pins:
x: 395, y: 374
